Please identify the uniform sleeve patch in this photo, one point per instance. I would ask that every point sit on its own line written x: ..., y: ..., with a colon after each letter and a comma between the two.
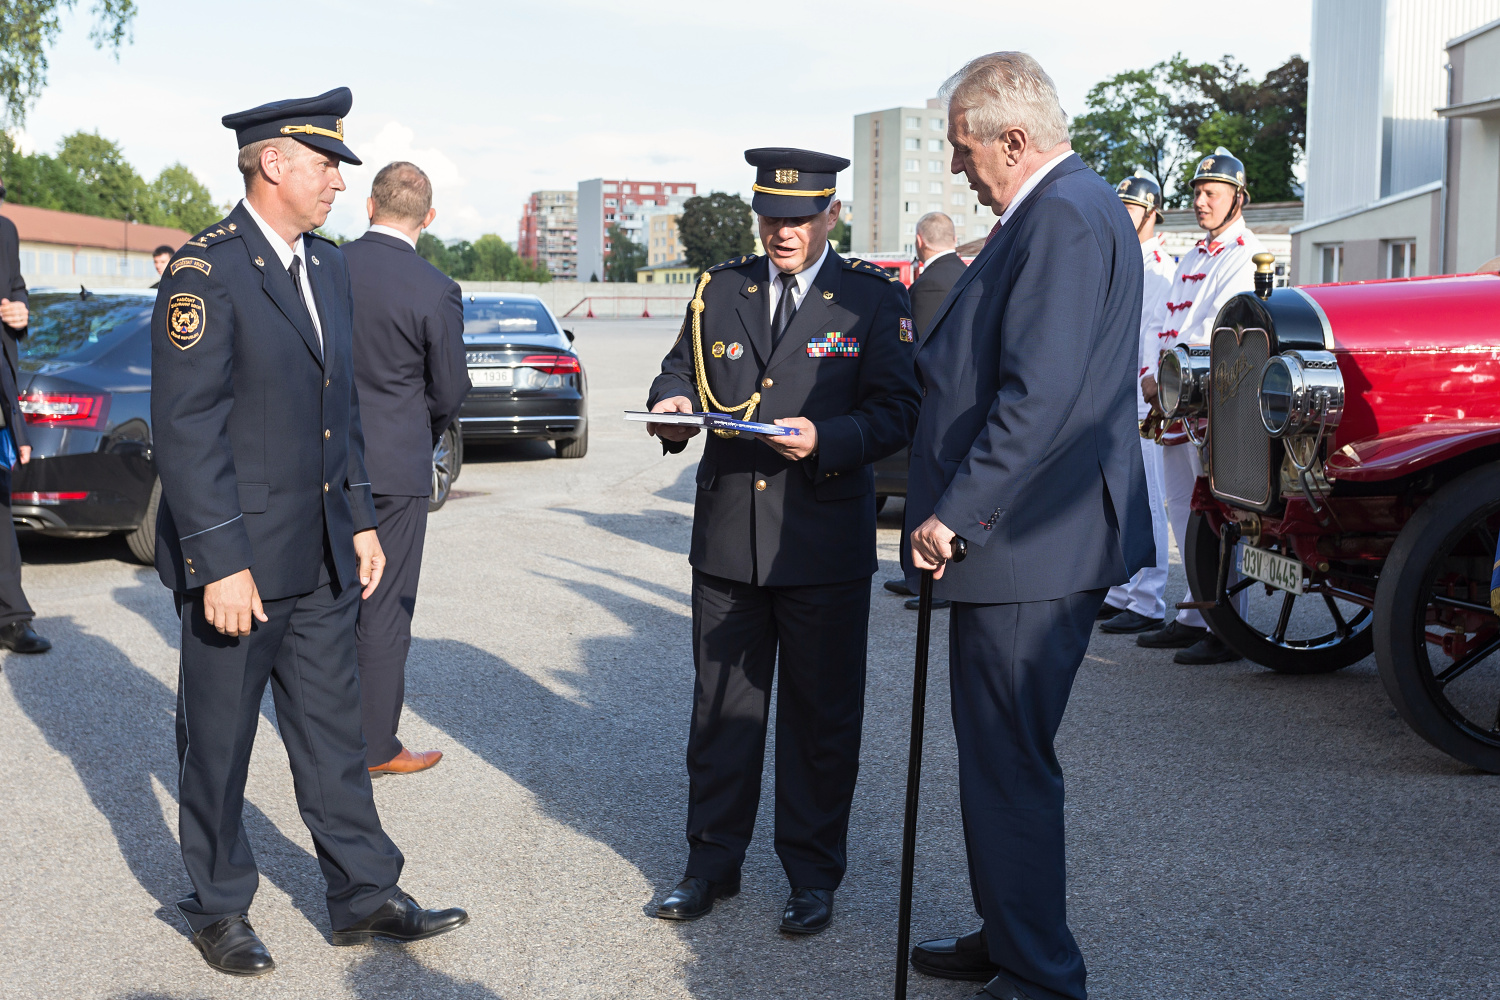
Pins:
x: 908, y: 330
x: 196, y: 263
x: 186, y: 319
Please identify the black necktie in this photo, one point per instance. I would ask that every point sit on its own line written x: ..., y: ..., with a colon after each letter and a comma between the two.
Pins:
x: 295, y: 270
x: 784, y: 308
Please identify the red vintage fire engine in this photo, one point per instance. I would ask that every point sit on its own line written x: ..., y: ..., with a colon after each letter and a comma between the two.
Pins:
x: 1351, y: 495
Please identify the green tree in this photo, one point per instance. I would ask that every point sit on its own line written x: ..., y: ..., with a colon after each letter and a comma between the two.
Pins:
x: 36, y: 179
x: 1263, y: 122
x: 714, y: 228
x: 625, y: 256
x: 488, y: 258
x: 178, y: 199
x: 435, y: 252
x: 107, y: 185
x: 1129, y: 124
x: 839, y: 237
x: 28, y: 28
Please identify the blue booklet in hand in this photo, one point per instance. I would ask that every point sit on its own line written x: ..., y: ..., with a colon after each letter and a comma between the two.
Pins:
x: 713, y: 421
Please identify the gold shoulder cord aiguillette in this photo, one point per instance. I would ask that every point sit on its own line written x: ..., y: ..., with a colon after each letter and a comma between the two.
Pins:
x: 705, y: 394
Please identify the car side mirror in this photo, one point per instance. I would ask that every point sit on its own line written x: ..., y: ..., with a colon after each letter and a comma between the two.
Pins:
x: 569, y: 334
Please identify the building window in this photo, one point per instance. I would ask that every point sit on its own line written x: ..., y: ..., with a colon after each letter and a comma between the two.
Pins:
x: 938, y: 125
x: 1333, y: 263
x: 913, y: 165
x: 646, y: 189
x: 957, y: 198
x: 934, y: 187
x: 913, y: 123
x: 934, y: 206
x: 611, y: 187
x: 28, y: 261
x: 1400, y: 259
x: 911, y: 229
x: 908, y: 206
x: 610, y: 202
x: 912, y: 187
x: 909, y: 248
x: 934, y: 145
x: 913, y: 143
x: 45, y: 259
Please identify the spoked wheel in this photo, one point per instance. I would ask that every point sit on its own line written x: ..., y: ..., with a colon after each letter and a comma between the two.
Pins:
x: 1313, y: 633
x: 1437, y: 641
x: 447, y: 457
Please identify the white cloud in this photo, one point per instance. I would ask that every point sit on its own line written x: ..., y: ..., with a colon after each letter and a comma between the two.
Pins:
x: 395, y: 141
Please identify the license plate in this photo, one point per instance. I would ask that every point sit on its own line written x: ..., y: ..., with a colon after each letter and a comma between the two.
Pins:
x: 1268, y: 567
x: 492, y: 376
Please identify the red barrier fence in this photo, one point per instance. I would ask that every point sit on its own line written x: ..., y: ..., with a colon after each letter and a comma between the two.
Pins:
x: 624, y: 306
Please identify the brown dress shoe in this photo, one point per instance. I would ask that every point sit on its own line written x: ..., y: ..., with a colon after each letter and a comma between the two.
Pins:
x: 407, y: 762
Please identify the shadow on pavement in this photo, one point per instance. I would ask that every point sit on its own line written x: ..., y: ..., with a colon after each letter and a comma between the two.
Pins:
x: 525, y: 450
x: 667, y: 530
x: 391, y: 971
x: 41, y: 550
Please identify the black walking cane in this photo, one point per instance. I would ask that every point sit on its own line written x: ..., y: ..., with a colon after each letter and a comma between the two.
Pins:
x: 914, y: 767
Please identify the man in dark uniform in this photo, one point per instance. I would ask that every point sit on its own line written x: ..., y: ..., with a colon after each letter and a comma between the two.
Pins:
x: 937, y: 248
x: 412, y: 376
x: 266, y: 535
x: 784, y: 530
x: 16, y: 633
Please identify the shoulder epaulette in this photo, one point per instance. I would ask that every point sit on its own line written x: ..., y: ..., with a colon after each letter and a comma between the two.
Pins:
x: 213, y: 232
x: 855, y: 264
x: 734, y: 262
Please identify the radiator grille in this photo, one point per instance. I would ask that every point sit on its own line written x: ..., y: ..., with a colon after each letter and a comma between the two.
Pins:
x: 1239, y: 448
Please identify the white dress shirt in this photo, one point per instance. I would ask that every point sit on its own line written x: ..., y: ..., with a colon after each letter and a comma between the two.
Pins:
x: 392, y: 231
x: 284, y: 253
x: 803, y: 280
x: 1031, y: 183
x: 937, y: 256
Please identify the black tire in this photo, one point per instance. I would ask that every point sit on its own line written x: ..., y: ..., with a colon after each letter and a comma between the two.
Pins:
x: 575, y: 447
x: 142, y: 541
x: 447, y: 460
x: 1447, y: 546
x: 880, y: 502
x: 1320, y: 646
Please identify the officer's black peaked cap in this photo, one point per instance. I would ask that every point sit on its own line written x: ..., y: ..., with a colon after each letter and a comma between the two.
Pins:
x: 791, y: 183
x: 317, y: 121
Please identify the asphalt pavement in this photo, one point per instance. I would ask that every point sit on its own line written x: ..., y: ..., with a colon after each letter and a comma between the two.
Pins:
x: 1232, y: 833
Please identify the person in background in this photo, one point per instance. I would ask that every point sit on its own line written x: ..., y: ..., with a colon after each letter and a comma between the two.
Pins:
x: 412, y: 376
x: 161, y: 257
x: 941, y: 268
x: 16, y: 633
x: 1208, y: 276
x: 1140, y: 605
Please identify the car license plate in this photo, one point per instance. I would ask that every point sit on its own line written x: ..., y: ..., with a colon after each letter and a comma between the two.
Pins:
x: 492, y: 376
x: 1268, y: 567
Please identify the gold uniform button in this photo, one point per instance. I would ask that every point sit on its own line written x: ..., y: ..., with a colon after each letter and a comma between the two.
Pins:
x: 760, y: 484
x: 327, y: 382
x: 325, y: 487
x: 327, y: 434
x: 766, y: 383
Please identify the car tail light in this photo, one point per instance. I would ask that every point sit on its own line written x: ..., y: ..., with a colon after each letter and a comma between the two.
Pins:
x: 65, y: 408
x: 553, y: 364
x: 46, y: 499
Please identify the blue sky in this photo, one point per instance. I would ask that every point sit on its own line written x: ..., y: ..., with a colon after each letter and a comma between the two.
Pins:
x: 495, y: 100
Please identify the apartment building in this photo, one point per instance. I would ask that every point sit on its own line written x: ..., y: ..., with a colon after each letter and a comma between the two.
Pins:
x: 549, y: 232
x: 901, y: 172
x: 604, y: 203
x: 662, y: 243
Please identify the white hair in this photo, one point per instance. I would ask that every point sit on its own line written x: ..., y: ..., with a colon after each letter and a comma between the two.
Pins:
x: 1005, y: 90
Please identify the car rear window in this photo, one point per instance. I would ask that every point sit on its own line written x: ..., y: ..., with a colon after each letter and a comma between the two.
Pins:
x: 64, y: 327
x: 522, y: 320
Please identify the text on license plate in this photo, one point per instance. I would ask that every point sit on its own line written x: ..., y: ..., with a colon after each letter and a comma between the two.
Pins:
x: 1268, y: 567
x: 492, y: 376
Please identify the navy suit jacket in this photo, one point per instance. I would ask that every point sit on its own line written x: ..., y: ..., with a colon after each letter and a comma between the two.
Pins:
x: 13, y: 287
x: 1027, y: 443
x: 409, y: 361
x: 256, y: 426
x: 931, y: 289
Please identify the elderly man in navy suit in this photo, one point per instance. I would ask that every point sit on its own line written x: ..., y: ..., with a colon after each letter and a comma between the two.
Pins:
x: 1026, y: 446
x: 412, y: 376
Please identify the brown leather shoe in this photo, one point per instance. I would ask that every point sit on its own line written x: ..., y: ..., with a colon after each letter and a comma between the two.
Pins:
x: 407, y: 762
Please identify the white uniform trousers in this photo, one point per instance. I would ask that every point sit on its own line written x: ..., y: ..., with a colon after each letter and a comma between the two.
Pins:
x: 1181, y: 468
x: 1145, y: 593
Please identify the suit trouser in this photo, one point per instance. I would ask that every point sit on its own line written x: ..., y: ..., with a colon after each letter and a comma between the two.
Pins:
x: 1145, y: 594
x: 13, y: 604
x: 306, y: 652
x: 820, y: 633
x: 383, y: 636
x: 1011, y: 669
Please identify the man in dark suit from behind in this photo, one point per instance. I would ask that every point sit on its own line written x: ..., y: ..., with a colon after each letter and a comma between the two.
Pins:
x: 16, y: 633
x: 410, y: 368
x: 941, y: 268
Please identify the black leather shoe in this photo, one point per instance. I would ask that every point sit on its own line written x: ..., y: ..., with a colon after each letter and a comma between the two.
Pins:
x: 807, y: 911
x: 898, y: 586
x: 402, y: 918
x: 1108, y: 611
x: 938, y: 603
x: 1175, y: 636
x: 231, y: 947
x: 694, y: 898
x: 1209, y: 649
x: 1001, y: 988
x: 1130, y: 623
x: 19, y: 637
x: 966, y: 957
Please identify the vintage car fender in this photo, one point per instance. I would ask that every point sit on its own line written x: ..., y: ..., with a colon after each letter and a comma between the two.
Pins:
x: 1409, y: 449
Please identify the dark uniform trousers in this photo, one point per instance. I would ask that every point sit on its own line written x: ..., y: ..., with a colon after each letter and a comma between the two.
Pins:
x: 305, y: 653
x: 13, y: 604
x: 383, y: 636
x: 739, y: 630
x: 1011, y: 669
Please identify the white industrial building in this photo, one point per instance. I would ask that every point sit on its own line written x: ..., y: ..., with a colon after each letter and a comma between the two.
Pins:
x: 1403, y: 118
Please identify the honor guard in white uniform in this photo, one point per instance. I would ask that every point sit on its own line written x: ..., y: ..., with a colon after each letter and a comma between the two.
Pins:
x: 1140, y: 604
x: 1208, y: 276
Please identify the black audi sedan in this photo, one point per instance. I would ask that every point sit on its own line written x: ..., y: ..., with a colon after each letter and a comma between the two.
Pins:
x: 528, y: 382
x: 85, y: 386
